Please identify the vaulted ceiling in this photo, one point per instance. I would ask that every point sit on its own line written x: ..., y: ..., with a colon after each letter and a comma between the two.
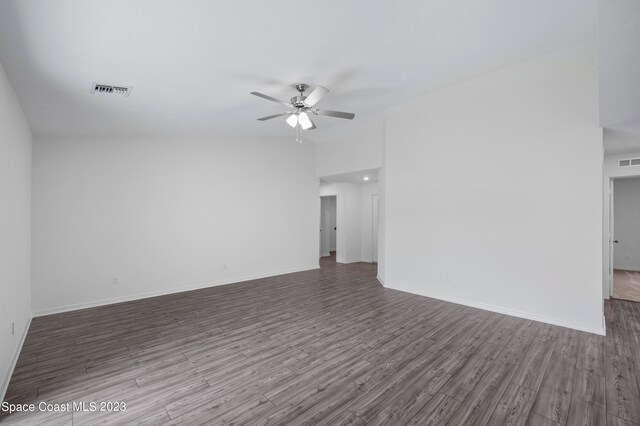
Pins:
x: 193, y: 63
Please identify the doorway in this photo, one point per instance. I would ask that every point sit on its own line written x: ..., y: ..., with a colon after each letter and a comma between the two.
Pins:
x: 353, y: 214
x: 625, y: 238
x: 328, y: 225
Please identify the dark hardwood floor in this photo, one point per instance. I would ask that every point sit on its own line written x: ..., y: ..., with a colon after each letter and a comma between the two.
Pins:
x: 329, y: 346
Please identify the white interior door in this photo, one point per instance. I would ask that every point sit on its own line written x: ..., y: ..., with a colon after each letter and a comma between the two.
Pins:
x: 325, y: 226
x: 374, y: 226
x: 326, y: 236
x: 332, y: 223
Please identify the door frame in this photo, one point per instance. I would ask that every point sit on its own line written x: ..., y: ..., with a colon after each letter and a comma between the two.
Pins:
x: 609, y: 229
x: 375, y: 226
x: 611, y: 171
x: 611, y: 233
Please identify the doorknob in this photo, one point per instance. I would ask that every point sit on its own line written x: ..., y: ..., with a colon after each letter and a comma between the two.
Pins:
x: 616, y: 241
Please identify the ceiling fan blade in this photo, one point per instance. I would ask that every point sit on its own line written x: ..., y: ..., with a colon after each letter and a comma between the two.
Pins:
x: 338, y: 114
x: 313, y: 125
x: 315, y: 96
x: 269, y: 117
x: 269, y: 98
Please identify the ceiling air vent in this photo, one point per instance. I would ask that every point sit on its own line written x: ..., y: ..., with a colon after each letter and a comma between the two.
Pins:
x: 111, y: 90
x: 627, y: 162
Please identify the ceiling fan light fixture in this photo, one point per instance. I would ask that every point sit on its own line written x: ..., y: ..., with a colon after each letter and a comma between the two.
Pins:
x: 304, y: 121
x: 301, y: 107
x: 293, y: 120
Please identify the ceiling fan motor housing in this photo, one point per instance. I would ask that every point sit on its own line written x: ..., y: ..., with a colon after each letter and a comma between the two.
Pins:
x: 298, y: 101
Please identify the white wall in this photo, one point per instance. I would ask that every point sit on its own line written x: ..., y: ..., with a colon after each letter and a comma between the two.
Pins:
x: 15, y: 229
x: 493, y: 193
x: 355, y: 145
x: 627, y: 224
x: 167, y: 214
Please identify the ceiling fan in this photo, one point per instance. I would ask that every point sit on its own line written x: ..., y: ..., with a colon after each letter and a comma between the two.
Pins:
x: 302, y: 106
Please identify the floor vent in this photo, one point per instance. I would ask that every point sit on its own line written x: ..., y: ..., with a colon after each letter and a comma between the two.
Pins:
x: 111, y: 90
x: 627, y: 162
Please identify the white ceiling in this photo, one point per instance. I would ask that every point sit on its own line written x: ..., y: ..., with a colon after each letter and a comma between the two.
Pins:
x: 193, y: 63
x: 353, y: 177
x: 619, y: 74
x: 619, y: 54
x: 621, y: 141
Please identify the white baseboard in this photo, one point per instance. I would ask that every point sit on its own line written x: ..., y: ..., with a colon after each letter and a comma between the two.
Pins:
x: 626, y: 268
x: 516, y: 313
x: 103, y: 302
x: 381, y: 280
x: 356, y: 261
x: 14, y: 360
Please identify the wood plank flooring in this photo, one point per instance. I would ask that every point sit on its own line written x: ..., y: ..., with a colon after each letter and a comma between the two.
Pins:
x: 329, y: 346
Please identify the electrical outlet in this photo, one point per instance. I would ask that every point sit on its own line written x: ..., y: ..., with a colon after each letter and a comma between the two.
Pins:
x: 627, y: 257
x: 115, y: 280
x: 13, y: 328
